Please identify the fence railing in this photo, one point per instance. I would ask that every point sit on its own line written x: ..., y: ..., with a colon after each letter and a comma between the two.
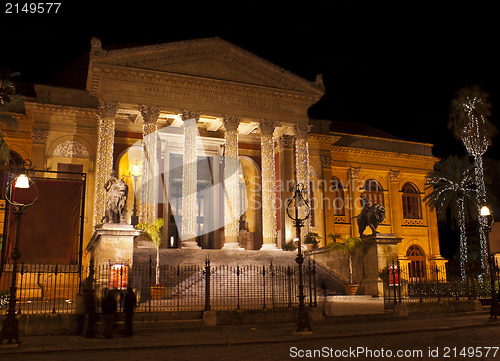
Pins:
x: 53, y: 289
x: 406, y: 283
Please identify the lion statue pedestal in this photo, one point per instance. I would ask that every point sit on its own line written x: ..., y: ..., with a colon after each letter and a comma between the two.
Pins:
x: 113, y: 242
x: 381, y: 249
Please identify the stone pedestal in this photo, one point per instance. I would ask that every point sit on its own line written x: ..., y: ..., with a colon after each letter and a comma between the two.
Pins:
x: 380, y: 250
x: 113, y: 242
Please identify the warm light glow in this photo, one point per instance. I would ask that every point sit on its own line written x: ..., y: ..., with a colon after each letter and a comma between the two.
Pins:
x: 135, y: 170
x: 485, y: 211
x: 22, y: 181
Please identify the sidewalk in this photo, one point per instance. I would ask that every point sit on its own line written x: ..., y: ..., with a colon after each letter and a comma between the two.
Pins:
x: 194, y: 333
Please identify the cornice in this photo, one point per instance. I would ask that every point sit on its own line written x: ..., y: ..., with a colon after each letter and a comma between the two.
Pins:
x: 375, y: 153
x: 32, y: 108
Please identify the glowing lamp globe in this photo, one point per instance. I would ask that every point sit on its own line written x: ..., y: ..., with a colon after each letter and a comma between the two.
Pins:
x: 485, y: 211
x: 22, y: 182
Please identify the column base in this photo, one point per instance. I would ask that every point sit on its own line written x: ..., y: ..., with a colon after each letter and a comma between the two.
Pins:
x: 232, y: 246
x: 189, y: 245
x: 270, y: 247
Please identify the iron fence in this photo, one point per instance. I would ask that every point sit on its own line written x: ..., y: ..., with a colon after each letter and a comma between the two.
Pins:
x: 407, y: 284
x: 53, y: 289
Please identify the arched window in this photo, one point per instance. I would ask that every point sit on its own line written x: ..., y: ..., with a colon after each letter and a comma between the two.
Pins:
x: 374, y: 192
x: 337, y: 189
x: 417, y: 265
x: 411, y: 202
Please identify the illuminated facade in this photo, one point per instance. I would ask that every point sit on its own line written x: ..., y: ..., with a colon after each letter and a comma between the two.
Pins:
x: 182, y: 111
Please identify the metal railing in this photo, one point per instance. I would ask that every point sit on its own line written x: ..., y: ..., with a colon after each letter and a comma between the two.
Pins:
x: 405, y: 284
x: 53, y: 289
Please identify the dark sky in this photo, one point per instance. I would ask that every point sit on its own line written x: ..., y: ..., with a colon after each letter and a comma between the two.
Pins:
x: 394, y: 67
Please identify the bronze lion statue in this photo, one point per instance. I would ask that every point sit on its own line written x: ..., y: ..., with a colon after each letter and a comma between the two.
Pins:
x: 371, y: 216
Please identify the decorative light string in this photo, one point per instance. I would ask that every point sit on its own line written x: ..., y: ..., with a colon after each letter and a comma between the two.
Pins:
x: 189, y: 228
x: 149, y: 188
x: 231, y: 182
x: 268, y: 183
x: 302, y: 169
x: 445, y: 191
x: 104, y: 164
x: 475, y: 139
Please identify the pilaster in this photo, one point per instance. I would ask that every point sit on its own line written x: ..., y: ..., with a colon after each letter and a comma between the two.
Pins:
x: 39, y: 138
x: 395, y: 203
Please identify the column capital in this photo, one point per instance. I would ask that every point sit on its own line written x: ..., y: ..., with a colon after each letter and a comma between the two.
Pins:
x: 301, y: 130
x: 267, y: 126
x: 394, y: 175
x: 353, y: 172
x: 107, y: 109
x: 285, y: 141
x: 39, y: 136
x: 149, y: 113
x: 326, y: 162
x: 189, y: 114
x: 231, y: 122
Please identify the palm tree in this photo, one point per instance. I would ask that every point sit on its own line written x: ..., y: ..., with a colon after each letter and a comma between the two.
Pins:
x: 454, y: 194
x: 469, y: 122
x: 348, y: 247
x: 153, y: 231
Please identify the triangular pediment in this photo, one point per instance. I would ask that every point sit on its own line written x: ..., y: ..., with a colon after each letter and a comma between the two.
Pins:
x: 211, y: 58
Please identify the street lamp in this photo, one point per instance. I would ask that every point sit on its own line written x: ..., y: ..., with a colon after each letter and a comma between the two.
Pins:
x: 10, y: 327
x: 298, y: 199
x: 487, y: 223
x: 135, y: 172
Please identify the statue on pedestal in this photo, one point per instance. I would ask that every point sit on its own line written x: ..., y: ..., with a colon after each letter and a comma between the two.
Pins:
x: 117, y: 192
x: 371, y: 216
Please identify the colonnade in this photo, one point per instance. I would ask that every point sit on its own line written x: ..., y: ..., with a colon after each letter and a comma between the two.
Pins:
x: 149, y: 190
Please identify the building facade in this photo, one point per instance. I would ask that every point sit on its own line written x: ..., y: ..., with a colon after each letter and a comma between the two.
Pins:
x: 219, y: 135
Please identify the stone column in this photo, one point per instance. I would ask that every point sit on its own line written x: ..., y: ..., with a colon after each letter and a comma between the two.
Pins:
x: 39, y: 138
x: 395, y: 203
x: 104, y: 163
x: 149, y: 181
x: 286, y: 171
x: 268, y: 185
x: 302, y: 169
x: 231, y: 184
x: 189, y: 228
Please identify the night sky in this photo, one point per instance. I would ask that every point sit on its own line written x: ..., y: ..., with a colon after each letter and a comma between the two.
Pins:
x: 391, y: 66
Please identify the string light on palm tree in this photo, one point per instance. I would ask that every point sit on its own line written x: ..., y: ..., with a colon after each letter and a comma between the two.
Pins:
x: 454, y: 193
x: 469, y: 114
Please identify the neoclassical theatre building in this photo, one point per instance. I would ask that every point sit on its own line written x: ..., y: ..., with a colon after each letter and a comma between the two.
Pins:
x: 180, y: 112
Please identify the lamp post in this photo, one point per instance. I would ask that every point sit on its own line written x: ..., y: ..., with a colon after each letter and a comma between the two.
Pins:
x: 135, y: 172
x: 487, y: 223
x: 10, y: 327
x: 299, y: 190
